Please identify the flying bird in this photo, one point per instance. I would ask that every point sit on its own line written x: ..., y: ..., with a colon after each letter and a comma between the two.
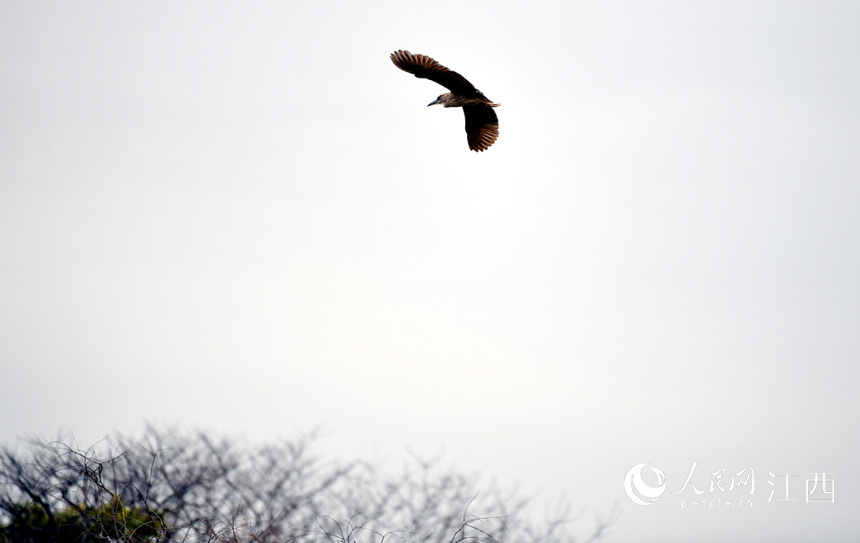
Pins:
x: 482, y: 125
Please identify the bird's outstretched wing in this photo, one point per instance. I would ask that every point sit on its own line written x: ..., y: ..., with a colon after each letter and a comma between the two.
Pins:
x: 482, y: 126
x: 426, y: 67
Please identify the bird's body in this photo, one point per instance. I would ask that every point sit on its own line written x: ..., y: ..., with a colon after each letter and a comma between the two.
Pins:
x: 449, y: 99
x: 482, y: 124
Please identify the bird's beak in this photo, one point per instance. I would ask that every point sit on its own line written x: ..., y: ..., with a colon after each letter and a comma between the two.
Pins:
x: 434, y: 102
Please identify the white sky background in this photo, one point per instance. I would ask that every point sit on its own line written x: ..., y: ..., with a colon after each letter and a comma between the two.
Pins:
x: 242, y: 217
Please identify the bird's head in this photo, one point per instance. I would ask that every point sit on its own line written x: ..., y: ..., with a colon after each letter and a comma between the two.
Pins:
x: 443, y: 99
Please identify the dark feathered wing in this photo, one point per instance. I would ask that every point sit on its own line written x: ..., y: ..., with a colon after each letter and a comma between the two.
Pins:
x: 482, y: 126
x: 426, y: 67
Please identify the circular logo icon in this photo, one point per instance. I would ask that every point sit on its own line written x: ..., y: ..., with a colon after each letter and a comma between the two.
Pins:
x: 641, y: 492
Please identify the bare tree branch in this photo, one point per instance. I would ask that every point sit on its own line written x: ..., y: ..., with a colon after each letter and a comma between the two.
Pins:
x: 171, y: 487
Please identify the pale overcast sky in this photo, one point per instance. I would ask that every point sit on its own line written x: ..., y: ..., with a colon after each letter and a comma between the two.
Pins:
x: 241, y: 216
